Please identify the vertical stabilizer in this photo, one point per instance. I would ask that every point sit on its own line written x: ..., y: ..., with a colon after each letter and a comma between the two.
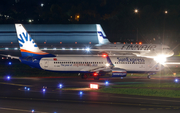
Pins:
x: 101, y: 35
x: 27, y: 45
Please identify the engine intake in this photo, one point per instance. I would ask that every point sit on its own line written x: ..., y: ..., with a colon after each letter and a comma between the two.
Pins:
x: 118, y: 72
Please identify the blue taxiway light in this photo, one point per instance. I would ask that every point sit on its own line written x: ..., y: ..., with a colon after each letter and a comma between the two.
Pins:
x: 9, y: 63
x: 44, y: 90
x: 176, y: 80
x: 107, y: 82
x: 80, y: 92
x: 25, y: 88
x: 32, y: 111
x: 8, y: 77
x: 60, y: 85
x: 28, y: 89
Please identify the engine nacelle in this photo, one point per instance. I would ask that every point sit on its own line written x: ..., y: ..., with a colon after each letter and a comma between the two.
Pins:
x: 118, y: 72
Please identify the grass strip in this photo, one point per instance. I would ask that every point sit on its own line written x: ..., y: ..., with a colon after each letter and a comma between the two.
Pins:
x: 143, y: 92
x: 160, y: 85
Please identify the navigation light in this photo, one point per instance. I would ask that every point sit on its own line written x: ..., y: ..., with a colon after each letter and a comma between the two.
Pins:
x: 104, y: 55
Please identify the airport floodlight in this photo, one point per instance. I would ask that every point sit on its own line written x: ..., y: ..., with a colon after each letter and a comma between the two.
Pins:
x: 30, y: 20
x: 165, y: 12
x: 78, y: 16
x: 45, y: 48
x: 63, y: 48
x: 54, y: 48
x: 77, y: 48
x: 16, y: 48
x: 71, y: 49
x: 136, y: 10
x: 82, y: 48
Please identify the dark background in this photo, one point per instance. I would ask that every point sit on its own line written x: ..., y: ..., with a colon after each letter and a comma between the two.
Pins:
x: 117, y: 17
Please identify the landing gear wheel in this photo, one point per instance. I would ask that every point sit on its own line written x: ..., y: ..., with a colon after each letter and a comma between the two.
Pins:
x: 96, y: 77
x: 149, y: 76
x: 84, y: 76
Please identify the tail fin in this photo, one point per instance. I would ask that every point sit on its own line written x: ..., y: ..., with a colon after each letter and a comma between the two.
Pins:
x: 101, y: 35
x: 27, y: 46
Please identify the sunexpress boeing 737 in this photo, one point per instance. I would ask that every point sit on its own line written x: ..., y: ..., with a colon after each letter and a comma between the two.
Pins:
x: 86, y: 65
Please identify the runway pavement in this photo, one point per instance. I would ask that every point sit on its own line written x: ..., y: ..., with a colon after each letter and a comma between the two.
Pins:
x: 16, y: 98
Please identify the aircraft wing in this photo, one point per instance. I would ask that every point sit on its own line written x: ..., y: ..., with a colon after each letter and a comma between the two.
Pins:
x: 101, y: 69
x: 9, y: 56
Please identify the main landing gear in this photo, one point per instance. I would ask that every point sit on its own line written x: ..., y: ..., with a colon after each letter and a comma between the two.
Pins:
x: 96, y: 77
x: 84, y: 76
x: 149, y: 75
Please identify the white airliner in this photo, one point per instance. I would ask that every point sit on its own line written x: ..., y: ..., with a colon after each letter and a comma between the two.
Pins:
x: 86, y: 65
x: 158, y: 52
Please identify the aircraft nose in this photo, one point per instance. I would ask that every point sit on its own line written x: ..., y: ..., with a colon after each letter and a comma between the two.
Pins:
x: 171, y: 53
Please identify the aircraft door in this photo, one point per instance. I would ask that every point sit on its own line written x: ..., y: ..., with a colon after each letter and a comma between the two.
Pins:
x: 149, y: 65
x: 46, y: 63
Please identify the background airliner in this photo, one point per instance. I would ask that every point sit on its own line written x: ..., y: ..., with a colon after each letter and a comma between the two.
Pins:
x: 92, y: 65
x: 158, y: 52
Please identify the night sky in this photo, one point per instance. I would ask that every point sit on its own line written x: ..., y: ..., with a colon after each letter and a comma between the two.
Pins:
x: 157, y: 21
